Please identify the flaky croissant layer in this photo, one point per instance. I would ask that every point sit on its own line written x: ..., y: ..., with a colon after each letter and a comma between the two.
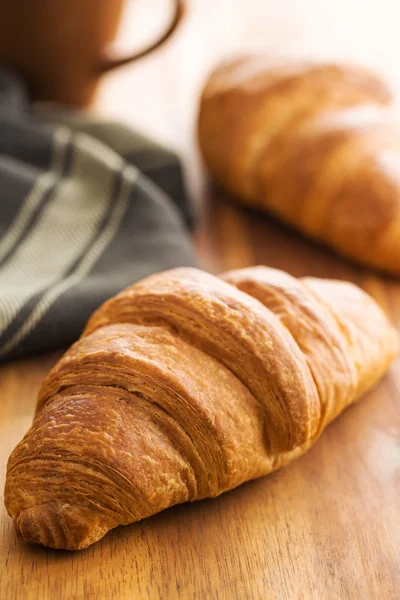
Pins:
x: 184, y: 386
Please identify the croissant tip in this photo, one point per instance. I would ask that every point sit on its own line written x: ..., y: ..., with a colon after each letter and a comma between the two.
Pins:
x: 60, y: 526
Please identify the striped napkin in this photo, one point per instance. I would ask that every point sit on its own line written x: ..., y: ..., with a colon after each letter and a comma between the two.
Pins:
x: 86, y: 208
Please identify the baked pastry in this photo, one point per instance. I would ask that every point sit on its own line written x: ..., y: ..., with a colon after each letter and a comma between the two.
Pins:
x: 184, y: 386
x: 315, y: 144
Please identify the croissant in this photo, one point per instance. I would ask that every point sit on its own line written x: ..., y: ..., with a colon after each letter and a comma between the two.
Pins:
x: 184, y: 386
x: 315, y: 144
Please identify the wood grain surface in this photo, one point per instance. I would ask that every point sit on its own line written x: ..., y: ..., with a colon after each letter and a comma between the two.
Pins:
x: 328, y: 525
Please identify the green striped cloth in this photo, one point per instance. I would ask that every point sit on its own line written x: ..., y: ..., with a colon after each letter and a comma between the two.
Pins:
x: 86, y: 208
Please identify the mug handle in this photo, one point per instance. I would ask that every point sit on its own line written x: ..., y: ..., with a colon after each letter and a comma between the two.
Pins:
x: 110, y: 62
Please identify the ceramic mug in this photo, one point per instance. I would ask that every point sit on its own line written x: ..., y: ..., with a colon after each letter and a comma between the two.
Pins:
x: 62, y: 47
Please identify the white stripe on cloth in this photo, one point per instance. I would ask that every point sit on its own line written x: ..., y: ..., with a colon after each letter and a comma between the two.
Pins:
x: 86, y: 264
x: 64, y: 229
x: 41, y: 186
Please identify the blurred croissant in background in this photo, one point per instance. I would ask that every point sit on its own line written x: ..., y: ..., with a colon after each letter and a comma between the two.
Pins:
x: 315, y: 144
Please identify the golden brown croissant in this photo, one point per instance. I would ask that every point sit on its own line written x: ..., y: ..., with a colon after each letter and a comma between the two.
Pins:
x: 315, y: 144
x: 183, y: 386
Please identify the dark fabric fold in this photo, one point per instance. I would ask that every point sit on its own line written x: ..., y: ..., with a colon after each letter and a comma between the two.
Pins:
x: 86, y: 209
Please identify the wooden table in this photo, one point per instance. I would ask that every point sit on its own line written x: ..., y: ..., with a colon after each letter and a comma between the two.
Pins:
x: 326, y: 526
